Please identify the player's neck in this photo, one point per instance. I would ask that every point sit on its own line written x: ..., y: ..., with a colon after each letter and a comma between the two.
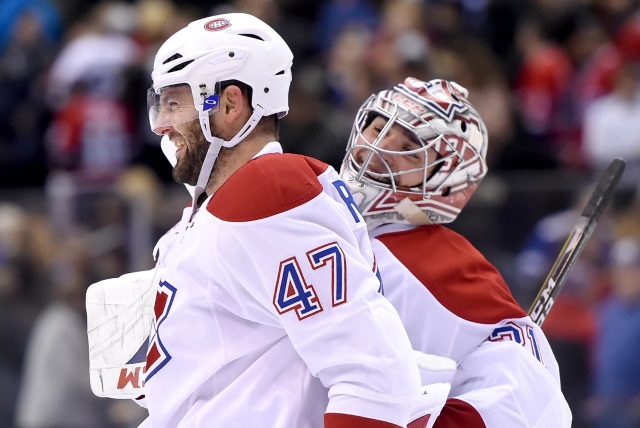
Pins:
x: 232, y: 159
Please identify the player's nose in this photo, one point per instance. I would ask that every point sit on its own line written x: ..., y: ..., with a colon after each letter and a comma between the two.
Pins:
x: 381, y: 162
x: 162, y: 124
x: 391, y: 141
x: 390, y: 145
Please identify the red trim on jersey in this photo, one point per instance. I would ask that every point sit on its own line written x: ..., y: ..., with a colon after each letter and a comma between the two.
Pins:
x: 340, y: 420
x: 266, y: 186
x: 457, y: 413
x: 455, y: 272
x: 420, y: 422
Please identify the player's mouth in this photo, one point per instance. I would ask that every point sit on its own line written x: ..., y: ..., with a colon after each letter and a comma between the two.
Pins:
x: 181, y: 147
x: 379, y: 177
x: 375, y: 171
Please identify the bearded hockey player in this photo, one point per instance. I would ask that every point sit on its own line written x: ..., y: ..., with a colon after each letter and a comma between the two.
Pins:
x: 267, y: 311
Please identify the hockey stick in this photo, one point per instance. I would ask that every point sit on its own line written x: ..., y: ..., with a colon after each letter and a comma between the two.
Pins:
x: 576, y: 241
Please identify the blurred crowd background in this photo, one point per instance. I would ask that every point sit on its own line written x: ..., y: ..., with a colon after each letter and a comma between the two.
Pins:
x: 85, y: 190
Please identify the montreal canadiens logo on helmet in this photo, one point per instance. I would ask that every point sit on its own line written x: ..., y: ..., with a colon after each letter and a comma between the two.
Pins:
x: 217, y: 24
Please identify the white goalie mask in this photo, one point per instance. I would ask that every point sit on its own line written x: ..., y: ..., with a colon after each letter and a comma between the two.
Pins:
x: 234, y: 47
x: 435, y: 164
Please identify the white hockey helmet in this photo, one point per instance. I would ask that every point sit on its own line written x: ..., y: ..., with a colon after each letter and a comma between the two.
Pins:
x: 235, y: 46
x: 440, y: 119
x: 211, y: 51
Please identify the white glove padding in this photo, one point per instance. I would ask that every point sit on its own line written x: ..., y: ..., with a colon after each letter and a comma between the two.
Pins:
x: 119, y: 322
x: 434, y: 368
x: 433, y: 399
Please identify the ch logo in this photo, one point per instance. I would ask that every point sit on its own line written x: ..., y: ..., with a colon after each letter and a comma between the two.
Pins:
x: 217, y: 24
x: 157, y: 355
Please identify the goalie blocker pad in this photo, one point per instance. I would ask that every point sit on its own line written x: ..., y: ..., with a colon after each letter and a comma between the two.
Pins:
x: 119, y: 323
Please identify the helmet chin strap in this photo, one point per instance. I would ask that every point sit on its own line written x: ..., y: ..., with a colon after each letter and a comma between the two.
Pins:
x: 411, y: 212
x: 215, y: 144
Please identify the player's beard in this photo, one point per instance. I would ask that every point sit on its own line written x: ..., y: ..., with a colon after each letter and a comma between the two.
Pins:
x: 188, y: 167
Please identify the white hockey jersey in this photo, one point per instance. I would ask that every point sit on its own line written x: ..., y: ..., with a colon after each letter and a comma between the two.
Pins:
x: 454, y: 303
x: 269, y: 314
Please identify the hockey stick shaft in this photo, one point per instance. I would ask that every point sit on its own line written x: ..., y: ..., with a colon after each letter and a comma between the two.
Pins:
x: 576, y: 241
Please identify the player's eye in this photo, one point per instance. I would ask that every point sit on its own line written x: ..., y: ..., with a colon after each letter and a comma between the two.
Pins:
x: 409, y: 148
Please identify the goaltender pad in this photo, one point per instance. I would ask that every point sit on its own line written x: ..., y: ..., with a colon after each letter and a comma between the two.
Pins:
x: 119, y: 324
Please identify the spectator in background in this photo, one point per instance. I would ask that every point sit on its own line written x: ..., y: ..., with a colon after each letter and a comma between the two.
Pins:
x: 24, y: 57
x: 599, y: 72
x: 542, y: 81
x: 310, y: 128
x: 90, y: 135
x: 44, y: 11
x: 579, y: 32
x: 26, y: 250
x: 445, y: 19
x: 616, y: 400
x: 611, y: 125
x: 326, y: 94
x: 335, y: 15
x: 89, y: 146
x: 55, y: 389
x: 99, y: 48
x: 400, y: 46
x: 90, y: 138
x: 348, y: 75
x: 610, y: 93
x: 15, y: 321
x: 613, y: 14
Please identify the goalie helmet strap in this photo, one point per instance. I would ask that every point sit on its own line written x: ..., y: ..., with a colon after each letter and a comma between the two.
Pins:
x: 412, y: 213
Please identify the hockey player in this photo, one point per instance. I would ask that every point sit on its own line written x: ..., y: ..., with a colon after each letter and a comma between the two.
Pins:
x: 268, y: 313
x: 415, y: 156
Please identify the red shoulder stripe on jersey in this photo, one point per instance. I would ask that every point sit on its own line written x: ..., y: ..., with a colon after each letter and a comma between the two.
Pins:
x: 267, y: 185
x: 455, y: 272
x: 457, y: 413
x: 340, y: 420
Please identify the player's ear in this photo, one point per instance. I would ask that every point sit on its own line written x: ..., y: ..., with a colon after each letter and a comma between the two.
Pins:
x: 233, y: 103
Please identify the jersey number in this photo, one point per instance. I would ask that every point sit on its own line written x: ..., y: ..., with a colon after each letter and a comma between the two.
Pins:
x: 514, y: 332
x: 293, y: 293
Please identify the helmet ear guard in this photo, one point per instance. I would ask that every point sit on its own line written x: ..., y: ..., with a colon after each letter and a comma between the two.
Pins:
x: 439, y: 115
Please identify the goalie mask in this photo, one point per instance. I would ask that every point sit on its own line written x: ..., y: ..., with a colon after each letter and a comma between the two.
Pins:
x: 416, y: 154
x: 235, y: 47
